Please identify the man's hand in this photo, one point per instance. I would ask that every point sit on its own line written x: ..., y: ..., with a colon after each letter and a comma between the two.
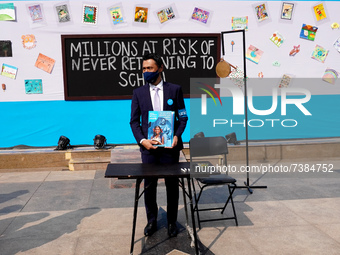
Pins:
x: 174, y: 142
x: 149, y: 145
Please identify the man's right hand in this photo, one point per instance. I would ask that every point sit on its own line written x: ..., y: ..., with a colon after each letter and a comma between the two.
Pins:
x: 149, y: 145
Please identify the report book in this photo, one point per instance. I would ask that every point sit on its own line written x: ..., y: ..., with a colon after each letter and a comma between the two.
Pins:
x: 161, y: 127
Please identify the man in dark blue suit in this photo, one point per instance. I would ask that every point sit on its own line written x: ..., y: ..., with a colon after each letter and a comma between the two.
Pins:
x: 158, y: 95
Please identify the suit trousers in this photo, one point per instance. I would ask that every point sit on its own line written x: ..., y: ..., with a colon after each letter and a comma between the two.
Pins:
x: 163, y: 156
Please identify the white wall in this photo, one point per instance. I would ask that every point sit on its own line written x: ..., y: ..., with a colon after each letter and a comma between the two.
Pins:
x: 49, y: 43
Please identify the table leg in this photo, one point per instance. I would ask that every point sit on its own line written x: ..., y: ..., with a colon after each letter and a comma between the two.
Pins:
x: 192, y: 215
x: 138, y: 182
x: 185, y: 201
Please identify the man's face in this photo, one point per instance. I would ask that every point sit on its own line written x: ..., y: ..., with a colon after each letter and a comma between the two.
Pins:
x: 149, y: 65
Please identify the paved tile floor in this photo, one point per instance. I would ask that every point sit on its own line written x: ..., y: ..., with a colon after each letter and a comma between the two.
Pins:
x: 63, y: 212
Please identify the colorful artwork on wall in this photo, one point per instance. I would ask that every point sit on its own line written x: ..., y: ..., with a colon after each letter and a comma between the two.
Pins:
x: 308, y: 32
x: 330, y: 76
x: 336, y: 45
x: 295, y: 50
x: 36, y: 13
x: 33, y: 86
x: 254, y: 54
x: 116, y: 15
x: 319, y: 11
x: 277, y: 38
x: 5, y: 48
x: 90, y: 14
x: 239, y: 23
x: 287, y: 11
x: 141, y: 14
x: 166, y: 14
x: 320, y: 53
x: 63, y: 13
x: 7, y: 12
x: 45, y: 63
x: 9, y: 71
x: 200, y: 15
x: 285, y: 81
x: 261, y: 12
x: 28, y: 41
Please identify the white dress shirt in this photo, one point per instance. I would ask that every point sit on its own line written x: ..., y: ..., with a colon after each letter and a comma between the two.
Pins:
x: 152, y: 94
x: 160, y: 93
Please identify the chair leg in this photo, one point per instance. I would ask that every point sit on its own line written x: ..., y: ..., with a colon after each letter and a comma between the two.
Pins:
x: 196, y: 204
x: 231, y: 191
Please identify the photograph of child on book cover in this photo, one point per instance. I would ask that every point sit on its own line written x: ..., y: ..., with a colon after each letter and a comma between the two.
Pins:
x: 161, y: 125
x: 158, y: 135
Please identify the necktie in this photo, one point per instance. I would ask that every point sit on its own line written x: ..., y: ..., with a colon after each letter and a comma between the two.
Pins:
x: 156, y: 101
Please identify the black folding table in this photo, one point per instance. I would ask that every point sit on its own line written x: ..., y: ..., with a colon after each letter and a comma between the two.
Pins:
x: 139, y: 171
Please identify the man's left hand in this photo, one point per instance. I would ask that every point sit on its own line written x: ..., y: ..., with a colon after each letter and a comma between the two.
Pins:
x: 174, y: 142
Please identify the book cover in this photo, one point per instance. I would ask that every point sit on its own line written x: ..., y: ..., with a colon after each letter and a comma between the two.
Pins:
x: 161, y: 127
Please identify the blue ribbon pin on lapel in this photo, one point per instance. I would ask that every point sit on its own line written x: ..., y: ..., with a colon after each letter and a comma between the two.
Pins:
x: 170, y: 102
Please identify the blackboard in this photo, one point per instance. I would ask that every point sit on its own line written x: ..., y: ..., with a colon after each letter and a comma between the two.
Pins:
x: 109, y: 66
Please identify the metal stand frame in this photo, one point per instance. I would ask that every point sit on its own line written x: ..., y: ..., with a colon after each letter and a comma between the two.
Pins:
x: 246, y: 183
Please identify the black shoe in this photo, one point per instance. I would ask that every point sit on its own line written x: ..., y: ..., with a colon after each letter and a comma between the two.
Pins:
x: 150, y: 228
x: 172, y: 230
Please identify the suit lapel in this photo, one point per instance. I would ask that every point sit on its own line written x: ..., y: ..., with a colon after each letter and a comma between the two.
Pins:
x: 148, y: 97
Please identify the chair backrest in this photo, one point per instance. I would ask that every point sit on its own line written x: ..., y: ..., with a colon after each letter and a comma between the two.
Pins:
x: 208, y: 146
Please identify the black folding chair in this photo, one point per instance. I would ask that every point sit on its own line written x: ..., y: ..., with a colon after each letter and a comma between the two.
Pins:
x: 200, y: 148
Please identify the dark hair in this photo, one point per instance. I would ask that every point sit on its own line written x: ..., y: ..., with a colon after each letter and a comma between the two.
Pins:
x: 154, y: 56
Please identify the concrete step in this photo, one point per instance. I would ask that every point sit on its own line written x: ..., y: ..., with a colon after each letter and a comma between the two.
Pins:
x: 99, y: 163
x: 32, y: 159
x: 87, y: 154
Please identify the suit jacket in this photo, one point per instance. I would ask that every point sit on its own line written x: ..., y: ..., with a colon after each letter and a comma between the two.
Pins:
x: 142, y: 104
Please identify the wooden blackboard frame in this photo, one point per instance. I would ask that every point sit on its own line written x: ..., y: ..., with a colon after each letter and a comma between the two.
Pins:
x: 66, y: 58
